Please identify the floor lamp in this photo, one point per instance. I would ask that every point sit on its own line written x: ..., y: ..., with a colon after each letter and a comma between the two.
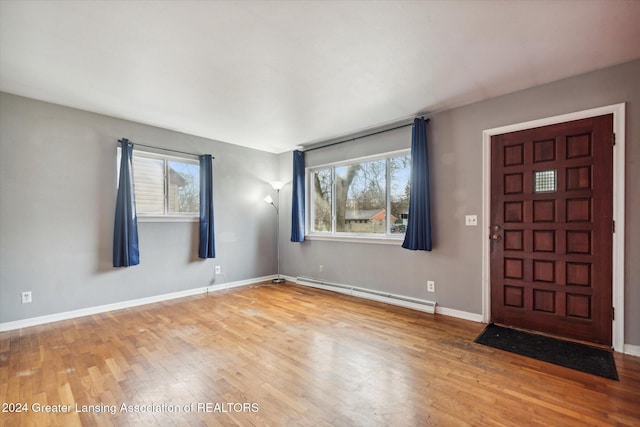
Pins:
x: 277, y: 185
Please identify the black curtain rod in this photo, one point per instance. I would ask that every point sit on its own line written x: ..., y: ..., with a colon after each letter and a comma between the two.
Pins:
x: 160, y: 148
x: 361, y: 136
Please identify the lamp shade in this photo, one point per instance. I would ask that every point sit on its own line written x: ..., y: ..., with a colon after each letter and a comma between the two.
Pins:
x: 277, y: 185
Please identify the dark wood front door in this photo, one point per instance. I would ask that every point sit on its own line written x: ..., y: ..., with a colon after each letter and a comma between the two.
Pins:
x: 551, y: 229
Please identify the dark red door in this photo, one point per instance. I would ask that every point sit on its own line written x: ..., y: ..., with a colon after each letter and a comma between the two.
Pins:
x: 551, y: 229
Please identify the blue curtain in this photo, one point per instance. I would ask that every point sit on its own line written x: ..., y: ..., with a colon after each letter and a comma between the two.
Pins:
x: 418, y: 235
x: 297, y: 193
x: 125, y: 231
x: 207, y: 247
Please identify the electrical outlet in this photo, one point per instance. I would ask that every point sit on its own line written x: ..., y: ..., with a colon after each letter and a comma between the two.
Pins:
x: 321, y: 269
x: 431, y: 286
x: 26, y: 297
x: 218, y: 269
x: 471, y: 220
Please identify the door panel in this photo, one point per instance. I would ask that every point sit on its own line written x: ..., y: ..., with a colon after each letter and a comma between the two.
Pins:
x: 551, y: 229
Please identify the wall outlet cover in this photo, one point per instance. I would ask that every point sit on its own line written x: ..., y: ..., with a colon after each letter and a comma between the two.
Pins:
x: 26, y: 297
x: 431, y: 286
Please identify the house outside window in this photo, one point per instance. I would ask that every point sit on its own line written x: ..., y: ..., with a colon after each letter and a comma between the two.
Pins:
x: 165, y: 187
x: 360, y: 198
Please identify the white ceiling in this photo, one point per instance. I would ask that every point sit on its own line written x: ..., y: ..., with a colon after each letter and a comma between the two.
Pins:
x: 272, y: 75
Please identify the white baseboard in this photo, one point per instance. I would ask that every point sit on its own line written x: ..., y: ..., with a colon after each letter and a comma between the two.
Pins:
x: 474, y: 317
x: 66, y: 315
x: 239, y: 283
x: 632, y: 350
x: 346, y: 289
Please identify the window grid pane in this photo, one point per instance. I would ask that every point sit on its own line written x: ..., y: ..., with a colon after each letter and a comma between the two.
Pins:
x: 361, y: 198
x: 184, y: 188
x: 148, y: 177
x: 400, y: 171
x: 322, y: 196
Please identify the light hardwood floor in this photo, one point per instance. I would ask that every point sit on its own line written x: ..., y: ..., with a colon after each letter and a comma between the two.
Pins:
x: 290, y: 355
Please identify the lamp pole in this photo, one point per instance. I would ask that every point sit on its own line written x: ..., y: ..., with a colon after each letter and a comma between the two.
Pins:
x: 277, y: 185
x: 278, y: 279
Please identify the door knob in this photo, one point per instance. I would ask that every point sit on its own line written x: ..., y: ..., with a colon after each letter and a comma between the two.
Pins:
x: 496, y: 236
x: 497, y: 228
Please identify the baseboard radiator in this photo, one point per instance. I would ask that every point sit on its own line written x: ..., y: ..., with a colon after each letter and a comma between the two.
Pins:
x: 408, y: 302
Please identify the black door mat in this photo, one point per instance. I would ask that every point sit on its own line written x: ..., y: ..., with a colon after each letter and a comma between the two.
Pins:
x: 564, y: 353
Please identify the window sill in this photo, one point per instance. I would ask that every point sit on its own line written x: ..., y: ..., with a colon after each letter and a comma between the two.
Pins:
x: 350, y: 238
x: 167, y: 218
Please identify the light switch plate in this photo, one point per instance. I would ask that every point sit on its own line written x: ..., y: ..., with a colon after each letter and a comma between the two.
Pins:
x: 471, y: 220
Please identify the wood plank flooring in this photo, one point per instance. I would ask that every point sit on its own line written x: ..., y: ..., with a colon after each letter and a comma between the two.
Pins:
x: 289, y: 355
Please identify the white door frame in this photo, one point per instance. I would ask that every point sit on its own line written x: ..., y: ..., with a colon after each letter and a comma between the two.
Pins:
x: 618, y: 111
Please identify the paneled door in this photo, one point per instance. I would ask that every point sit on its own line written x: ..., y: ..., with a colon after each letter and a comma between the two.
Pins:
x: 551, y: 229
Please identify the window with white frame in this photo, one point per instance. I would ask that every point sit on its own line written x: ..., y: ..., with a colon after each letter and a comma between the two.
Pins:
x: 361, y: 198
x: 165, y: 186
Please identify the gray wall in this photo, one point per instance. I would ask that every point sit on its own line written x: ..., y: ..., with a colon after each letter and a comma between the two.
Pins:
x: 57, y: 200
x: 456, y: 171
x: 57, y: 197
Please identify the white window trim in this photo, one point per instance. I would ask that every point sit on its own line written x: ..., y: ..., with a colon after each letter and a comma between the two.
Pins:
x: 194, y: 217
x: 357, y: 238
x: 387, y: 239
